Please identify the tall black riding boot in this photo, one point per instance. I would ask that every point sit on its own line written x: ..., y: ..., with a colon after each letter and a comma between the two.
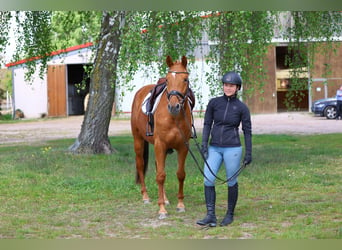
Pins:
x: 233, y: 193
x: 210, y: 199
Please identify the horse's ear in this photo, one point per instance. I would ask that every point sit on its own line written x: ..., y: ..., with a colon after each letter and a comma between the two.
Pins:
x: 184, y: 61
x: 169, y: 61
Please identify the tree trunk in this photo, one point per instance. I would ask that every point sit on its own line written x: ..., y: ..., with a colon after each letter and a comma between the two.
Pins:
x: 93, y: 138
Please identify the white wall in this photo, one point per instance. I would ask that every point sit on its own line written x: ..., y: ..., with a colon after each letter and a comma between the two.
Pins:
x: 31, y: 98
x: 81, y: 56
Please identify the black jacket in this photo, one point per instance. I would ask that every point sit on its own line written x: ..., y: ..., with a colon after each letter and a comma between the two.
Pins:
x: 223, y: 117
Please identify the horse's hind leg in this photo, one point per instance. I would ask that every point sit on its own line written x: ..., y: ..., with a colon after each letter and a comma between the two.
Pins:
x: 140, y: 147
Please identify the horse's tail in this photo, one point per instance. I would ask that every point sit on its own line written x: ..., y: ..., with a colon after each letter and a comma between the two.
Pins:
x: 145, y: 154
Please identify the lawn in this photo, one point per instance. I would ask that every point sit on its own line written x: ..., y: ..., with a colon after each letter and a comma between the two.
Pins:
x: 292, y: 190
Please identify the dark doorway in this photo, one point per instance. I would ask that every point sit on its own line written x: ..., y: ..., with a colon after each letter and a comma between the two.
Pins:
x: 78, y: 87
x: 291, y: 96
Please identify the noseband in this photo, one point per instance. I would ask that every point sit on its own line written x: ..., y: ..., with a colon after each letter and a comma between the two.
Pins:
x: 176, y: 93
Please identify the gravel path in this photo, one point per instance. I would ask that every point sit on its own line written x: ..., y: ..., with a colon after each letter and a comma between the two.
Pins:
x: 50, y: 129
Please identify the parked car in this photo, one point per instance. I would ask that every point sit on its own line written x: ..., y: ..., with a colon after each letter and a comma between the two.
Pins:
x: 325, y: 107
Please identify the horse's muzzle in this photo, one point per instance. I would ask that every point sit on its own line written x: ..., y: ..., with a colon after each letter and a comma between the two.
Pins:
x: 174, y: 109
x: 175, y: 106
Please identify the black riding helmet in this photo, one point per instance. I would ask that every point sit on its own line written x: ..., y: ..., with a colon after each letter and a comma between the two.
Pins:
x: 233, y: 78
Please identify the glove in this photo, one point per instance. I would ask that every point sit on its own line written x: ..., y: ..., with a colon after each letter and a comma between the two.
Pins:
x: 204, y: 151
x: 247, y: 160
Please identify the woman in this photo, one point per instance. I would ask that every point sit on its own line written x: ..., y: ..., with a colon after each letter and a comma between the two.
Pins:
x: 223, y: 116
x: 339, y: 103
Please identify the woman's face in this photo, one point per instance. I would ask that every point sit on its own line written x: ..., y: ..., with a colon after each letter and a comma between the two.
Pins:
x: 230, y: 89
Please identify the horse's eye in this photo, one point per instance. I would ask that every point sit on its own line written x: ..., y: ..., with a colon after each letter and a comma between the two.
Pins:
x: 186, y: 80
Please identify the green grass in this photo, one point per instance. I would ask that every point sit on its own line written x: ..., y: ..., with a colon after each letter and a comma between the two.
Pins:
x: 292, y: 190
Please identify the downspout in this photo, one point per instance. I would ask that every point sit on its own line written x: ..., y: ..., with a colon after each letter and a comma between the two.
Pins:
x: 309, y: 88
x: 13, y: 91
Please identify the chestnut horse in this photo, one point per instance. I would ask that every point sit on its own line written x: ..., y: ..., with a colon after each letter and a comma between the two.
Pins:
x: 172, y: 130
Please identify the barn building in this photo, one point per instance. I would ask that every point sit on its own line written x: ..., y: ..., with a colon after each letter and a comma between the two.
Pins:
x: 56, y: 94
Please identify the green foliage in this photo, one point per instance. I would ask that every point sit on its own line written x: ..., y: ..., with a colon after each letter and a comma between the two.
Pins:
x: 6, y: 80
x: 311, y: 26
x: 151, y: 35
x: 72, y: 28
x: 5, y: 17
x: 5, y: 117
x: 242, y: 38
x: 3, y: 83
x: 33, y: 39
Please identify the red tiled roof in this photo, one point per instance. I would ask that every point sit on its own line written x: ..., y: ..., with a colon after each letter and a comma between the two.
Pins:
x: 54, y: 53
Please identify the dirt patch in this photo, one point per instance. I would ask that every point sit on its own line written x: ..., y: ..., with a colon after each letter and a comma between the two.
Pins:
x: 70, y: 127
x: 294, y: 123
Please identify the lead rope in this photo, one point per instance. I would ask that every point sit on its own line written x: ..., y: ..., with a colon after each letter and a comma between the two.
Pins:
x: 204, y: 159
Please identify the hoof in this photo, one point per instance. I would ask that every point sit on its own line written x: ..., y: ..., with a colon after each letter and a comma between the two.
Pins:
x: 162, y: 216
x: 180, y: 209
x: 146, y: 201
x: 167, y: 203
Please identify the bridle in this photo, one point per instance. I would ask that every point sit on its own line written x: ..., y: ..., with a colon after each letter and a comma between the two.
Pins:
x: 181, y: 97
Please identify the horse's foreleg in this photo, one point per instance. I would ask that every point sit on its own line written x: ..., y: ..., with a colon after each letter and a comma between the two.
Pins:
x: 181, y: 177
x: 160, y: 155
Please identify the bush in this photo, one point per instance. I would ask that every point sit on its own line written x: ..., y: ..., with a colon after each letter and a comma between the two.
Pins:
x: 5, y: 117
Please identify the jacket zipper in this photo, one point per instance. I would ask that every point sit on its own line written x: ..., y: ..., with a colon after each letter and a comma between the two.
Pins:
x: 224, y: 118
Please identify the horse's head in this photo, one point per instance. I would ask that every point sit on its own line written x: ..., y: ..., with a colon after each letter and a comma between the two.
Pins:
x: 177, y: 84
